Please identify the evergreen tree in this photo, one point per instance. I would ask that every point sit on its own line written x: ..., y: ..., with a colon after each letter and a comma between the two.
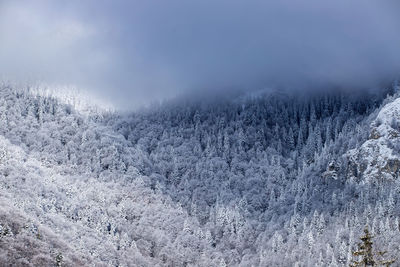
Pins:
x: 368, y: 256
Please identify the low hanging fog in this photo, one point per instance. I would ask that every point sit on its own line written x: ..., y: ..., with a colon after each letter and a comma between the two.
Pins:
x: 135, y: 52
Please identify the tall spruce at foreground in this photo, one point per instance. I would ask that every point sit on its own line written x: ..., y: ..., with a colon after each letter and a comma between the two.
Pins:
x: 367, y: 254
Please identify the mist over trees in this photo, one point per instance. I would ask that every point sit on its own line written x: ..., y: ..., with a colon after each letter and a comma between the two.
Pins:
x: 260, y: 180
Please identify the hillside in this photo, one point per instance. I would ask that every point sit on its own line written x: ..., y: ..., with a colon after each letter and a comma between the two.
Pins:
x: 266, y: 180
x: 71, y: 178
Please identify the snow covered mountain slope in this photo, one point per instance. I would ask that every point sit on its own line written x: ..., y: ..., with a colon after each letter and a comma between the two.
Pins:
x: 29, y: 224
x: 99, y: 221
x: 58, y: 202
x: 266, y: 173
x: 256, y: 182
x: 379, y: 157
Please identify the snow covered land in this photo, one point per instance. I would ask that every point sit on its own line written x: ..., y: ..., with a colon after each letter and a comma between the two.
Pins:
x: 267, y: 180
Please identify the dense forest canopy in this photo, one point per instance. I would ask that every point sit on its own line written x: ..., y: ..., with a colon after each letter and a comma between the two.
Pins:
x: 262, y: 180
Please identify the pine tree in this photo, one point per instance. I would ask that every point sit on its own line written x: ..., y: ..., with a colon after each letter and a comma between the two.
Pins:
x: 290, y: 139
x: 365, y: 250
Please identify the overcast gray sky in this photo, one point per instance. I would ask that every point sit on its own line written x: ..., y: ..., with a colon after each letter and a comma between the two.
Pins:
x: 134, y: 52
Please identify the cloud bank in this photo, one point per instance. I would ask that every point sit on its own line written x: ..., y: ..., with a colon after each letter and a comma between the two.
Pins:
x: 135, y: 52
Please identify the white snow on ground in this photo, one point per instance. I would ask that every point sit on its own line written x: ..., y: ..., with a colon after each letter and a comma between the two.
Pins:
x: 377, y: 158
x: 389, y: 112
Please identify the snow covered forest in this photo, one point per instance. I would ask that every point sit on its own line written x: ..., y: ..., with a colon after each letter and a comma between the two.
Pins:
x: 269, y: 180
